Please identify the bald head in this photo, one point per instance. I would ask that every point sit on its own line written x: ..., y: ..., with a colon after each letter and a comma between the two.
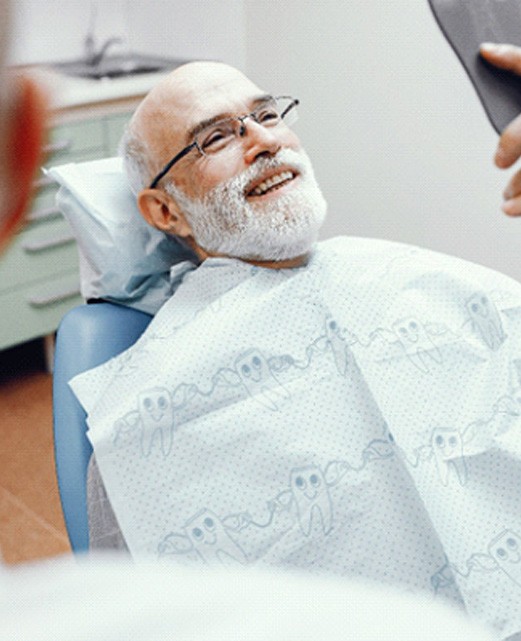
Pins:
x: 183, y: 91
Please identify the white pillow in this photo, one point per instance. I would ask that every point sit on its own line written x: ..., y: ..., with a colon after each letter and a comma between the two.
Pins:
x: 122, y: 258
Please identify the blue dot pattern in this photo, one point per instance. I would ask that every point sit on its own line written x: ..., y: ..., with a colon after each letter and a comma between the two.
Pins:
x: 359, y: 416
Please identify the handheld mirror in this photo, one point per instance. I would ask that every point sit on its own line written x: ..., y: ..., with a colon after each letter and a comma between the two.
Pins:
x: 468, y: 23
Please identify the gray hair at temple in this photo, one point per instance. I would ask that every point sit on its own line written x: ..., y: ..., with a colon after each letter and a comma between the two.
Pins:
x: 136, y: 159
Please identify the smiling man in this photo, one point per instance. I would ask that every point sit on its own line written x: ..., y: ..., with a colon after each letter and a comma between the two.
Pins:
x: 216, y: 163
x: 291, y: 404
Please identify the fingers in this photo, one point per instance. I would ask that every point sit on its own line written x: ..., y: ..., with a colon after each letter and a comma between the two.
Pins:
x: 512, y: 196
x: 512, y: 207
x: 509, y: 146
x: 508, y: 57
x: 513, y: 188
x: 504, y: 56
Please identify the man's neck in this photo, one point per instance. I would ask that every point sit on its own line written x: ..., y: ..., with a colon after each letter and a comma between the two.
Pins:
x: 289, y: 263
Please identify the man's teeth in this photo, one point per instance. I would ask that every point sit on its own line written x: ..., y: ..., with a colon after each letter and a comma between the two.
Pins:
x: 272, y: 182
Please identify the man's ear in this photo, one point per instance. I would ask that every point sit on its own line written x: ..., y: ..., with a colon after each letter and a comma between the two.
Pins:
x: 24, y: 128
x: 160, y: 210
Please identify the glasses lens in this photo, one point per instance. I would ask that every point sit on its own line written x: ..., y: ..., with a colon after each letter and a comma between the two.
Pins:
x: 268, y: 113
x: 224, y: 134
x: 275, y: 110
x: 218, y: 136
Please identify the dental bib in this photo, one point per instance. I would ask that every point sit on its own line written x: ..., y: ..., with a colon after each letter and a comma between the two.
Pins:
x: 359, y: 416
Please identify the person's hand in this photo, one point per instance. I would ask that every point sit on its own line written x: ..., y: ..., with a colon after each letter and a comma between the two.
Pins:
x: 508, y: 57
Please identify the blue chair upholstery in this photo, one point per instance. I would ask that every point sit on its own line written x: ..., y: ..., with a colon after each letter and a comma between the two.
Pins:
x: 87, y: 336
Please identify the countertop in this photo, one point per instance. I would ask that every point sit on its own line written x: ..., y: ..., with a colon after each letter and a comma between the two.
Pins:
x: 67, y: 92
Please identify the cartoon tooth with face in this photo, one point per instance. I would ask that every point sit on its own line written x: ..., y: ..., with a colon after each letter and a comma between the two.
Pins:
x: 157, y: 419
x: 505, y: 549
x: 447, y: 446
x: 486, y: 320
x: 380, y: 448
x: 211, y: 540
x: 259, y: 381
x: 443, y: 578
x: 311, y: 495
x: 338, y: 345
x: 415, y: 341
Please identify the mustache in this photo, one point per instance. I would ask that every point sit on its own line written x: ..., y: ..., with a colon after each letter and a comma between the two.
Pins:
x: 295, y: 159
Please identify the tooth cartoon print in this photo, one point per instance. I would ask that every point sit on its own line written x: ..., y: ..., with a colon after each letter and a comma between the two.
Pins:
x: 380, y: 448
x: 505, y: 549
x: 157, y: 420
x: 338, y: 345
x: 211, y: 541
x: 447, y: 447
x: 415, y: 341
x: 259, y: 381
x: 486, y: 321
x: 443, y: 578
x: 311, y: 495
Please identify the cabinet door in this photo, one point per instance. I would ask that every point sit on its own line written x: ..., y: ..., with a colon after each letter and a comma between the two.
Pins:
x: 69, y: 140
x: 36, y: 309
x: 39, y: 278
x: 38, y: 253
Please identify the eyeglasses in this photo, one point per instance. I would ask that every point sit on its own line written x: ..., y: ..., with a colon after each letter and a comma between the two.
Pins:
x: 223, y: 135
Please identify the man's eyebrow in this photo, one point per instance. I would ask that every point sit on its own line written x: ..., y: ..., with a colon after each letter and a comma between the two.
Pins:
x: 255, y: 102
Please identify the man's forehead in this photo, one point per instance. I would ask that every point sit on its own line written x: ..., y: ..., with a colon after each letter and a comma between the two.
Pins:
x: 202, y: 76
x: 211, y: 90
x: 197, y: 91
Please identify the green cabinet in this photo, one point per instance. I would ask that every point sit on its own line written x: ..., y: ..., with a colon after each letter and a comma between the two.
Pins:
x: 39, y: 277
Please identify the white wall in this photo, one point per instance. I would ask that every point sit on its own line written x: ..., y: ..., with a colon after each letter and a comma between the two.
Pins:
x: 51, y: 30
x: 400, y: 143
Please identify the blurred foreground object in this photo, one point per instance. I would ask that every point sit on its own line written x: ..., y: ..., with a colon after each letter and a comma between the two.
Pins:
x: 111, y: 599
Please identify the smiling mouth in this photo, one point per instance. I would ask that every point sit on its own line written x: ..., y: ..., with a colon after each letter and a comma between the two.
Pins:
x: 272, y: 183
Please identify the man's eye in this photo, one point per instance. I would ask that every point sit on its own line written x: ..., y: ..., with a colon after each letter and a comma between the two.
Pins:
x: 267, y: 116
x: 217, y: 139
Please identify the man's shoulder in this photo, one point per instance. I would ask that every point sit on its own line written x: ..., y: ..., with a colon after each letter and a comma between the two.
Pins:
x: 355, y: 250
x: 349, y: 244
x: 391, y: 265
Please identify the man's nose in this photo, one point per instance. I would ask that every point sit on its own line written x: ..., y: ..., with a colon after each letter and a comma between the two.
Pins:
x: 258, y: 140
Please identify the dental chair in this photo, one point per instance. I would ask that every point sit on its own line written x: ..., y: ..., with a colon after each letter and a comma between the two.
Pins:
x: 120, y: 258
x: 87, y: 336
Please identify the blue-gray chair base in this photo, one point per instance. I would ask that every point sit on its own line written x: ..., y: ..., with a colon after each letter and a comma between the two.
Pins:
x: 87, y: 336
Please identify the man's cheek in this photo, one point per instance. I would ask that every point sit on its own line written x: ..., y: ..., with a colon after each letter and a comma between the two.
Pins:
x: 214, y: 172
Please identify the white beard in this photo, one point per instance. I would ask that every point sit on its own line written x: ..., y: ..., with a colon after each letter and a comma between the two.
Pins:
x: 225, y: 223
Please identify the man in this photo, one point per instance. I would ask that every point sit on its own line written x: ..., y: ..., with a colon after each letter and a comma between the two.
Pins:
x: 322, y: 408
x: 283, y: 236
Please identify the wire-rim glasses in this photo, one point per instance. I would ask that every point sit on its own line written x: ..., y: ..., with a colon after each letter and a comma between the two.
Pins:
x: 223, y: 134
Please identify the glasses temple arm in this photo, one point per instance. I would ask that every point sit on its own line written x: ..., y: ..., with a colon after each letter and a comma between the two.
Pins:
x: 170, y: 164
x: 294, y: 103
